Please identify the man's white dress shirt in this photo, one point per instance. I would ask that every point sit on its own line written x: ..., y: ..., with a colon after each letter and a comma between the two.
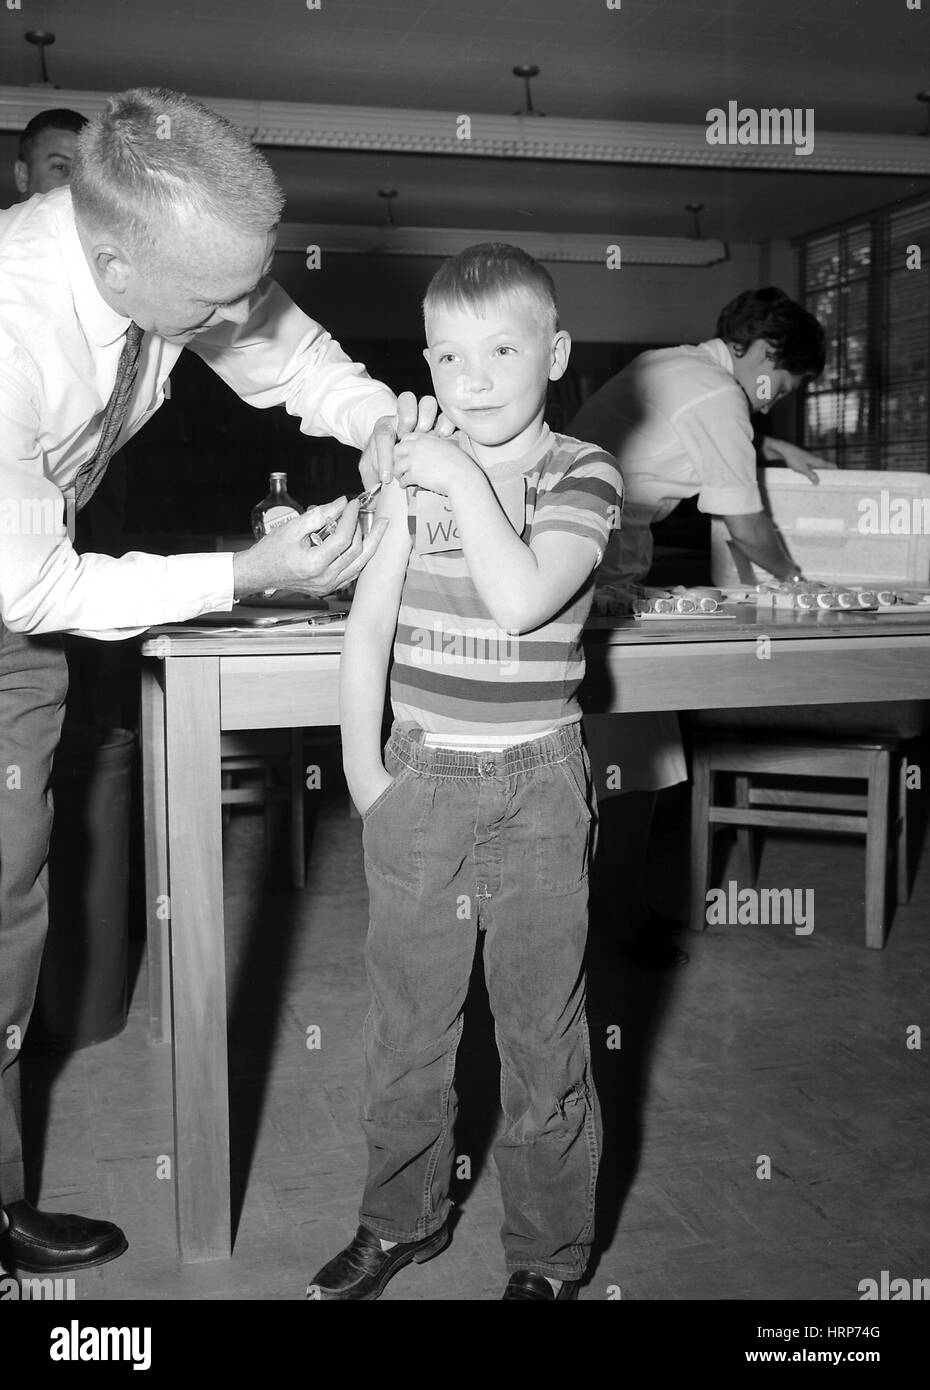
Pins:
x: 59, y: 348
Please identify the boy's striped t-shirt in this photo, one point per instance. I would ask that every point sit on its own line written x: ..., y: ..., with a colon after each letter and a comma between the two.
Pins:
x: 454, y: 669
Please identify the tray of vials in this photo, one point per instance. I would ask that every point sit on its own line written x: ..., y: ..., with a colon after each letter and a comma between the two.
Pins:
x: 680, y: 603
x: 807, y: 597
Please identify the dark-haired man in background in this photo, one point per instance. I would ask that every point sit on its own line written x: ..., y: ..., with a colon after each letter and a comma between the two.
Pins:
x: 679, y: 421
x: 46, y: 151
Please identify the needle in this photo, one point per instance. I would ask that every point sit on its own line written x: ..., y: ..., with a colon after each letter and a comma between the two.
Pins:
x: 328, y: 527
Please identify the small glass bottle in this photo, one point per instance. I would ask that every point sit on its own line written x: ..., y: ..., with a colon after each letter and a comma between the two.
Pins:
x: 274, y: 509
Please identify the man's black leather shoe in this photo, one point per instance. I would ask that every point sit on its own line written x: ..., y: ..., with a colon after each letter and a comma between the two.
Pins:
x: 362, y: 1269
x: 526, y: 1284
x: 46, y: 1242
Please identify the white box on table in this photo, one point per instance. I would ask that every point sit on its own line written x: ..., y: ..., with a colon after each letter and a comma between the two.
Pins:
x: 844, y: 530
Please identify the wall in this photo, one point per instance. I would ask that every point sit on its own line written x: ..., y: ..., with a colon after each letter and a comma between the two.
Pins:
x: 366, y: 297
x: 203, y: 461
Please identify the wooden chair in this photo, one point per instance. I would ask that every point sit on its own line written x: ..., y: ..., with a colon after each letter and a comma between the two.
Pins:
x: 265, y: 752
x: 880, y: 814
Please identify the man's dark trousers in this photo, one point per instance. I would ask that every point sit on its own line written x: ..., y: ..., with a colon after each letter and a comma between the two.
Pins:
x: 33, y: 686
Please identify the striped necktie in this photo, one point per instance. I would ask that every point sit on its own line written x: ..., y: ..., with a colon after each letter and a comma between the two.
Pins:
x: 91, y: 474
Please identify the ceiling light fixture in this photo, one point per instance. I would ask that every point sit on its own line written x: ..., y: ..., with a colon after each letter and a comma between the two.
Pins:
x: 584, y: 248
x: 695, y: 210
x: 300, y: 125
x: 388, y: 194
x: 41, y: 38
x: 925, y: 98
x: 526, y: 72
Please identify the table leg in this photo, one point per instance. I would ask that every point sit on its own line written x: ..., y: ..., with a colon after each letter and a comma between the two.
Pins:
x: 198, y: 958
x: 701, y: 838
x: 157, y: 926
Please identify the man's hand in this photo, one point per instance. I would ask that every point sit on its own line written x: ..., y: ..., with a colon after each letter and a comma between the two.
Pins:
x: 792, y: 456
x: 377, y: 461
x: 286, y: 559
x: 425, y: 460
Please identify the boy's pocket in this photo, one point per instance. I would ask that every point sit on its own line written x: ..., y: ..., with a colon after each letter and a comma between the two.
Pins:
x: 576, y: 774
x: 563, y: 826
x: 383, y: 796
x: 393, y: 830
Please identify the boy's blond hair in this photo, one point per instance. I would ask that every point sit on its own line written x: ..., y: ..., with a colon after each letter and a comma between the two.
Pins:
x: 492, y: 271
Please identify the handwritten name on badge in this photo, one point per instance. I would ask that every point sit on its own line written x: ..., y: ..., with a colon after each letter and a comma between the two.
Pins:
x: 436, y: 530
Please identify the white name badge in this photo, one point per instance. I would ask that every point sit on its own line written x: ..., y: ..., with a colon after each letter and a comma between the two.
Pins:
x: 436, y: 530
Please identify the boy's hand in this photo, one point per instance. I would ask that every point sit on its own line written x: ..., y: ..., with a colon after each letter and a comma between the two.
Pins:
x: 376, y: 463
x: 366, y: 792
x: 425, y: 460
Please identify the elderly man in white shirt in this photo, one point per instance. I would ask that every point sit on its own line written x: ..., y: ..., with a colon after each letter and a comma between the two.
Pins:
x: 679, y: 422
x: 163, y: 241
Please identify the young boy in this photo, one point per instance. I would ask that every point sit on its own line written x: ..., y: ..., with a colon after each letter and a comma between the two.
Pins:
x: 478, y: 818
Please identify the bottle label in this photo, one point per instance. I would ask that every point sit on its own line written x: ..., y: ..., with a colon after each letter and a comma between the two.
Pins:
x: 276, y: 516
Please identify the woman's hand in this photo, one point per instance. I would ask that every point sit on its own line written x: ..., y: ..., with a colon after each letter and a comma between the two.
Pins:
x: 796, y: 458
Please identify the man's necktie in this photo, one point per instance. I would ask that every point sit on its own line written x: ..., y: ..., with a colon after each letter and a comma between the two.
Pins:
x: 88, y: 479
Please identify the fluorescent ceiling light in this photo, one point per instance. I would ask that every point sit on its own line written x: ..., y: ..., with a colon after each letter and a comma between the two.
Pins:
x: 608, y: 251
x: 296, y: 124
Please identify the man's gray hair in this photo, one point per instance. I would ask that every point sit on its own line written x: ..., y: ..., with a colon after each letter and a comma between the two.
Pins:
x: 154, y: 159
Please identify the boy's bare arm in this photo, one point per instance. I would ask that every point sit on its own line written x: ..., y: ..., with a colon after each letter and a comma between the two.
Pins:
x: 366, y: 650
x: 523, y: 586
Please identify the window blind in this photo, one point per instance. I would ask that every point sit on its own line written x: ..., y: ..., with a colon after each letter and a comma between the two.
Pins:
x: 869, y: 285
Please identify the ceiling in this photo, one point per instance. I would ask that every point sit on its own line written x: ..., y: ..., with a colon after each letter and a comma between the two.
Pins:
x: 858, y: 64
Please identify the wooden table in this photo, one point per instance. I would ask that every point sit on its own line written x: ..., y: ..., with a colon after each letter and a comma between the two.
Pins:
x: 196, y: 684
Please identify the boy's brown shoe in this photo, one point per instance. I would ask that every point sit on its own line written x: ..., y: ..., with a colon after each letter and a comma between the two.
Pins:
x: 526, y: 1284
x: 362, y: 1269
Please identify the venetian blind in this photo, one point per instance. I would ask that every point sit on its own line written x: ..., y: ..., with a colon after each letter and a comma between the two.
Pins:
x: 867, y: 285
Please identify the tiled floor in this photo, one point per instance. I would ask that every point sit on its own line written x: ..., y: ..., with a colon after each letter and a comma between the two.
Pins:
x: 767, y: 1044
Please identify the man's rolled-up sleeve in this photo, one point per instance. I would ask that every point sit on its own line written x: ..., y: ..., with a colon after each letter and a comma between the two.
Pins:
x: 280, y: 356
x: 45, y: 586
x: 716, y: 434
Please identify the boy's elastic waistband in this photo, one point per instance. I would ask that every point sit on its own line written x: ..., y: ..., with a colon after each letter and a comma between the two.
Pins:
x: 407, y: 746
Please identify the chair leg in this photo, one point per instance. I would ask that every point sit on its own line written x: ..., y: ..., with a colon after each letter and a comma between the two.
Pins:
x: 876, y: 848
x: 298, y: 858
x: 269, y: 808
x: 902, y: 877
x: 701, y: 836
x: 745, y: 835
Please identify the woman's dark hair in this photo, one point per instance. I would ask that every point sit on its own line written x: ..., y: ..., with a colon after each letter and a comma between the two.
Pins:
x: 795, y: 336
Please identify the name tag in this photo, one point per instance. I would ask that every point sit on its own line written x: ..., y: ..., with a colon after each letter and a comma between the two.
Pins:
x: 436, y: 530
